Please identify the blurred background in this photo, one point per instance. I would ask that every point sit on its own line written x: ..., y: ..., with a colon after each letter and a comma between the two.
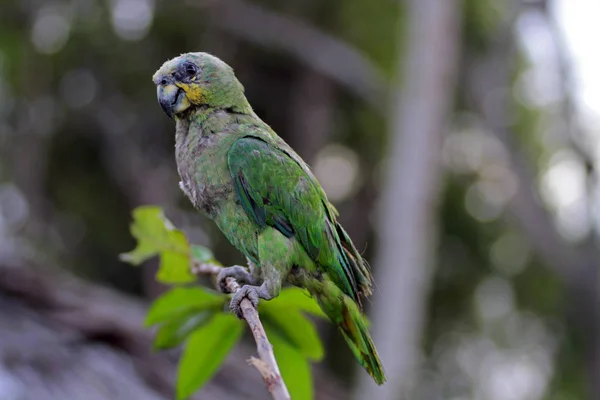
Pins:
x: 458, y: 139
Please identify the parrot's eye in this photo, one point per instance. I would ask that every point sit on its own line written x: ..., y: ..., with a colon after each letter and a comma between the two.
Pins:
x: 190, y: 69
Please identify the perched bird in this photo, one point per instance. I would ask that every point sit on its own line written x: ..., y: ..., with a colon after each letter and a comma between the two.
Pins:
x: 264, y: 199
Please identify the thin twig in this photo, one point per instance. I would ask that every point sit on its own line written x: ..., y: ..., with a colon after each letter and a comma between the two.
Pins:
x: 267, y: 364
x: 329, y: 55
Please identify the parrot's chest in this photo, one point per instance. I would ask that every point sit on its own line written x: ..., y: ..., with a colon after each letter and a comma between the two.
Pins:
x: 205, y: 178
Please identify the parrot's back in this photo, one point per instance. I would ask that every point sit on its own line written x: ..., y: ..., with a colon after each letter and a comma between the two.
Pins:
x: 207, y: 153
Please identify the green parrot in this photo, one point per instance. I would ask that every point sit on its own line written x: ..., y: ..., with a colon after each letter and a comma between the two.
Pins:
x: 264, y: 199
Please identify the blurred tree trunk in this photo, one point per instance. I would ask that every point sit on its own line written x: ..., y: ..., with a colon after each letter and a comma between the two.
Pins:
x: 407, y: 233
x: 577, y: 266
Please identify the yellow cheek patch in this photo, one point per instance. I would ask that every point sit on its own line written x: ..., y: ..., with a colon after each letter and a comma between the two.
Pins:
x: 194, y: 93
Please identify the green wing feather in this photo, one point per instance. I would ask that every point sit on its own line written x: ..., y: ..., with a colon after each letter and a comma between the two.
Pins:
x: 277, y: 191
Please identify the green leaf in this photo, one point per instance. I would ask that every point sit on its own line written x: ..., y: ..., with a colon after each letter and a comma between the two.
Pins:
x: 206, y: 349
x: 295, y: 329
x: 295, y: 369
x: 156, y: 235
x: 176, y: 330
x: 179, y: 301
x: 145, y: 221
x: 203, y: 255
x: 174, y: 268
x: 294, y: 297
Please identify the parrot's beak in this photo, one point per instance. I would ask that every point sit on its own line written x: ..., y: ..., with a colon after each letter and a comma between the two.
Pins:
x: 167, y: 97
x: 172, y: 99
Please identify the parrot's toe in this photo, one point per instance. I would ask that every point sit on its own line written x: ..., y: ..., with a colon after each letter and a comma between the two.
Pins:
x: 240, y: 274
x: 245, y: 292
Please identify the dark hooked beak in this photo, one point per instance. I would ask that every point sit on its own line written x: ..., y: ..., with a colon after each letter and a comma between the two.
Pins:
x: 167, y: 97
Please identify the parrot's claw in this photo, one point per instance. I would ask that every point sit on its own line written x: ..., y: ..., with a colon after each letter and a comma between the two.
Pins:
x: 245, y: 292
x: 240, y: 274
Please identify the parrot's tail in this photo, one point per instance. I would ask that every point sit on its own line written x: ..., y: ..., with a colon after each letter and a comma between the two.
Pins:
x: 343, y: 311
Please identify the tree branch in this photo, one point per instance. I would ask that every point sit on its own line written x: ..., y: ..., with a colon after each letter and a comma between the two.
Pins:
x: 326, y: 54
x: 267, y: 364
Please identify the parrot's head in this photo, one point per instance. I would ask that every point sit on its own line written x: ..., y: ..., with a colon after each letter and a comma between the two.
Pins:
x: 195, y: 80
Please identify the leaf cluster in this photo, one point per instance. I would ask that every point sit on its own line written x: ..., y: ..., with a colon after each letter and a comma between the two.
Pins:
x: 197, y: 317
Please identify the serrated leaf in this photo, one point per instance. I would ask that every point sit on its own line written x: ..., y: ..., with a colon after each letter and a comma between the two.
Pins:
x: 294, y: 328
x: 156, y: 235
x: 147, y: 220
x: 294, y: 367
x: 175, y: 331
x: 206, y: 349
x: 294, y: 297
x: 179, y: 301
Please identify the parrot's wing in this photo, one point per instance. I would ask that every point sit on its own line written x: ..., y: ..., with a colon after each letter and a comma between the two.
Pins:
x: 277, y: 191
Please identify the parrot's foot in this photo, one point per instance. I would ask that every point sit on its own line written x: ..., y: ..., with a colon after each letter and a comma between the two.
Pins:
x: 240, y: 274
x: 252, y: 293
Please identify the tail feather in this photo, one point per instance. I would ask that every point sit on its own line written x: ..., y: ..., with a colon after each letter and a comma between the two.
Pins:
x: 354, y: 267
x: 359, y: 265
x: 344, y: 312
x: 359, y: 340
